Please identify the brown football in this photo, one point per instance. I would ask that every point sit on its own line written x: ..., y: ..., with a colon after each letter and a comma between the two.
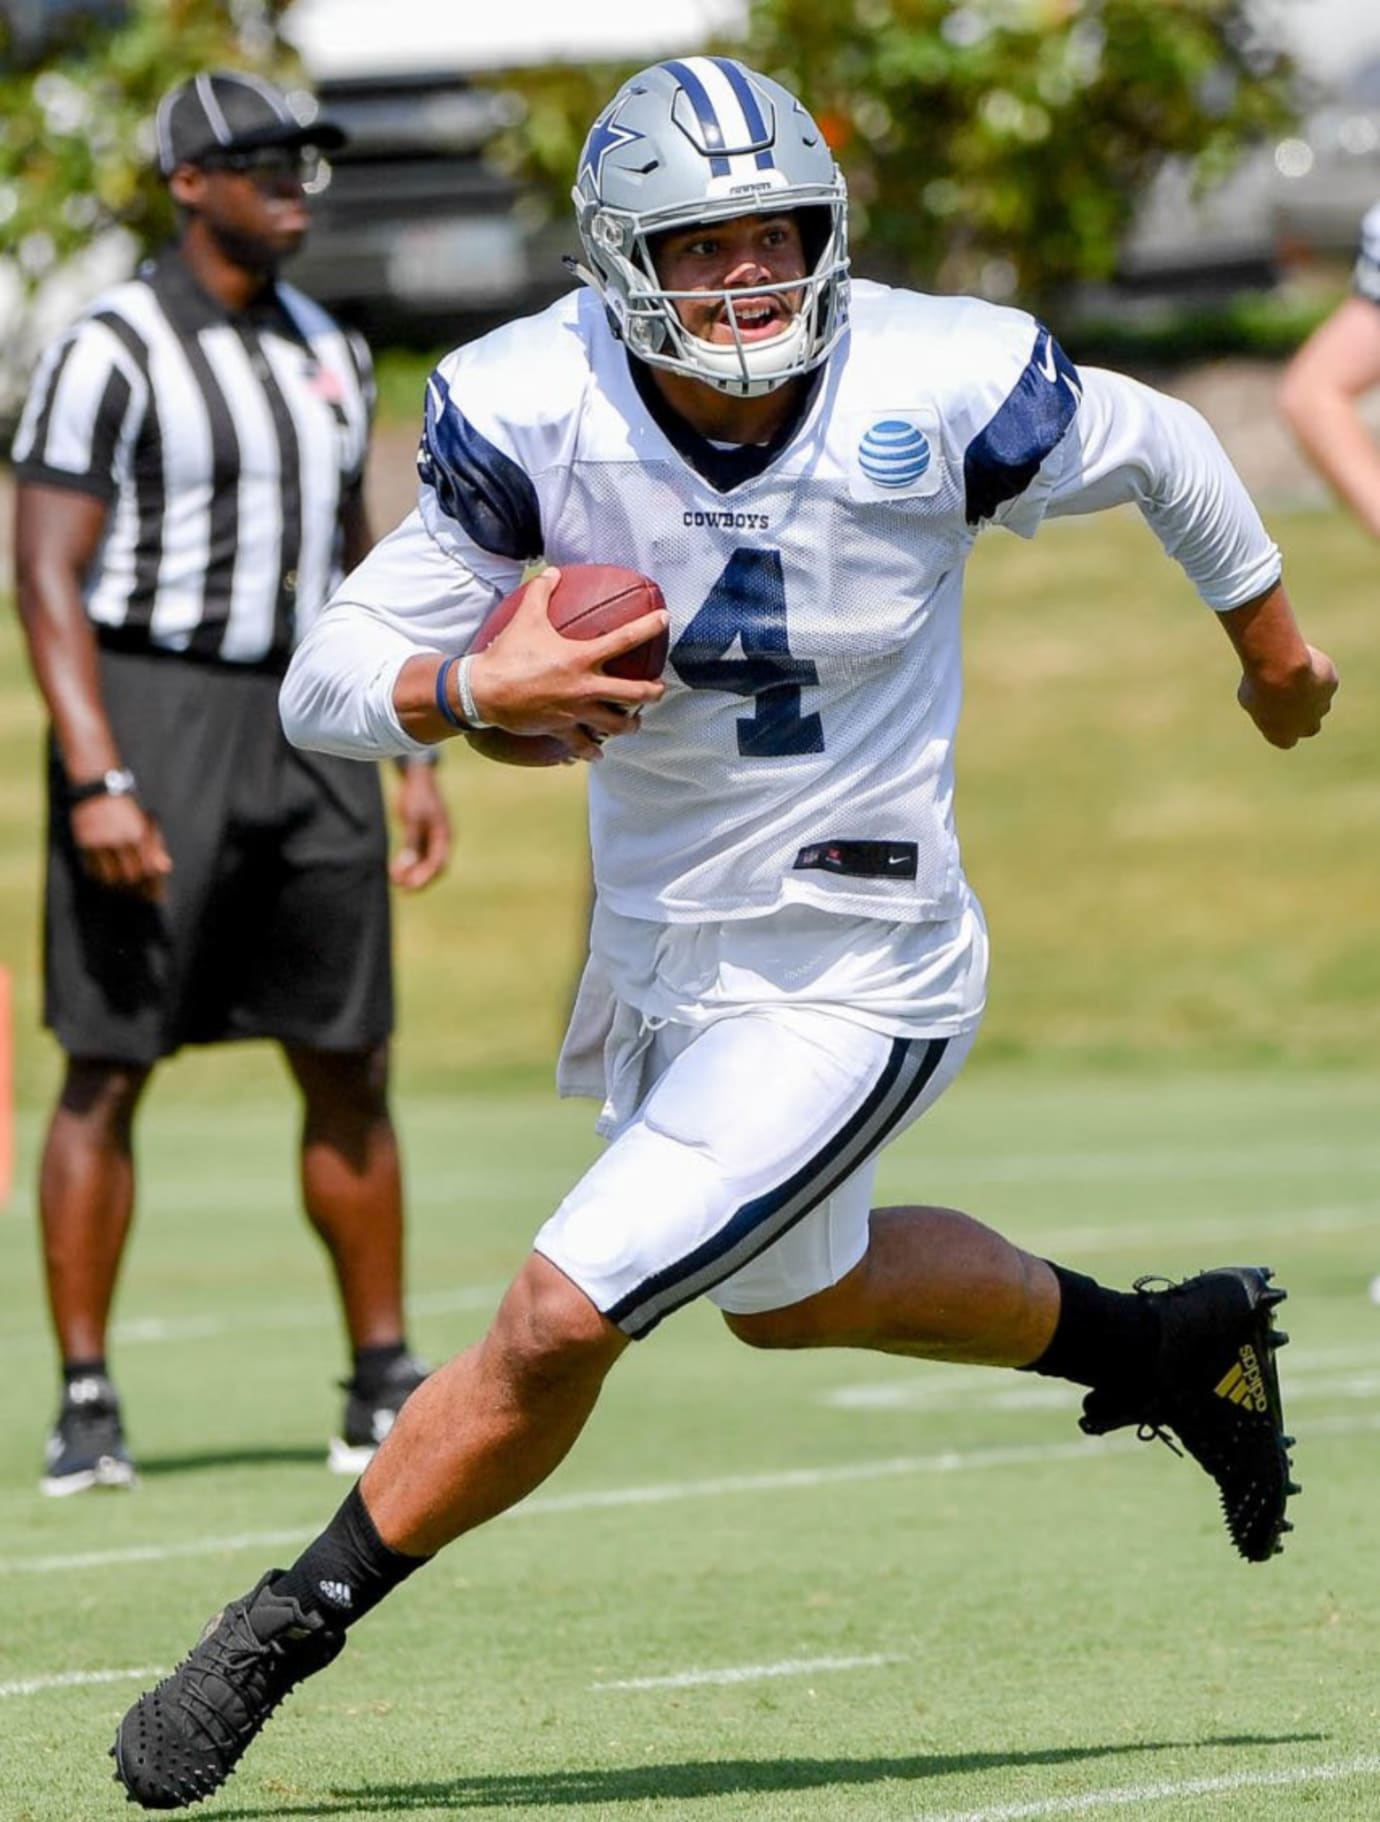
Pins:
x: 589, y: 600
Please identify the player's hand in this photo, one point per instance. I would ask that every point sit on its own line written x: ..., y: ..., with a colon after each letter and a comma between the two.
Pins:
x: 532, y: 680
x: 121, y: 846
x: 1290, y: 708
x: 424, y: 823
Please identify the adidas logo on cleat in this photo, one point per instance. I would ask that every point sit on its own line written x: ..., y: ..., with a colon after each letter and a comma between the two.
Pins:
x: 1215, y: 1385
x: 1245, y: 1383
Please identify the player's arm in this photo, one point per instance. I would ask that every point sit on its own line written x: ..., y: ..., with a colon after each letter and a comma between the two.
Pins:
x: 423, y: 821
x: 1319, y: 395
x: 363, y: 682
x: 372, y: 675
x: 1131, y: 445
x: 58, y: 531
x: 534, y: 681
x: 1286, y: 684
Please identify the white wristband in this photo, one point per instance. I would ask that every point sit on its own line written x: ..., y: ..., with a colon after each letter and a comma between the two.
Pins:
x: 465, y: 690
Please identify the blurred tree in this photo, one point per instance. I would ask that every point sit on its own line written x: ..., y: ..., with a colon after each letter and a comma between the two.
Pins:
x: 79, y: 83
x: 997, y: 146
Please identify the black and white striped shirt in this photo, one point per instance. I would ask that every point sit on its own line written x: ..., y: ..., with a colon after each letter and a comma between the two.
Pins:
x: 1367, y: 275
x: 226, y: 447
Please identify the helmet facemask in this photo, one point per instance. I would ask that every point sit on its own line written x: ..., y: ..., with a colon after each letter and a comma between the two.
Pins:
x: 640, y: 152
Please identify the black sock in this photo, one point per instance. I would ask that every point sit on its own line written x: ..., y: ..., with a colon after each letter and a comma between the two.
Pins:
x: 1102, y: 1337
x: 372, y: 1364
x: 84, y: 1369
x: 348, y: 1570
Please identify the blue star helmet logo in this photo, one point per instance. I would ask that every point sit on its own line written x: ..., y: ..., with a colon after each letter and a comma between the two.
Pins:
x: 605, y: 136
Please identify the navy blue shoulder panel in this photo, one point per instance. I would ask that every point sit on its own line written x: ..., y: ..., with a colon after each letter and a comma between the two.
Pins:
x: 1002, y: 460
x: 483, y: 490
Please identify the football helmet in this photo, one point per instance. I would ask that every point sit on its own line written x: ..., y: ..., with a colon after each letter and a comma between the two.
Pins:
x: 699, y: 140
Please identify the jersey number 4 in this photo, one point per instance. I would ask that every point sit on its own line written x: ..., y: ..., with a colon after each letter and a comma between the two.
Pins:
x: 747, y: 607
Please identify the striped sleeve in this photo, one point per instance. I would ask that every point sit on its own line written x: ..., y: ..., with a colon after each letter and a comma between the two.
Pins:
x: 1002, y: 465
x: 476, y: 499
x: 1367, y: 274
x: 82, y: 416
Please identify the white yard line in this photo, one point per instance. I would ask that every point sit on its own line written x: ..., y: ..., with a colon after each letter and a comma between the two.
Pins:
x: 1138, y: 1796
x: 749, y: 1673
x: 932, y: 1395
x: 77, y: 1679
x: 788, y: 1480
x: 135, y: 1331
x: 153, y: 1553
x: 295, y: 1316
x: 1225, y: 1230
x: 656, y: 1494
x: 1225, y: 1161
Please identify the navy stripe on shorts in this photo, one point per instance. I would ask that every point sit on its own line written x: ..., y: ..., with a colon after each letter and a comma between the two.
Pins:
x: 755, y: 1225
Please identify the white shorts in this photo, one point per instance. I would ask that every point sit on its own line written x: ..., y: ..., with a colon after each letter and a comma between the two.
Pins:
x: 746, y: 1173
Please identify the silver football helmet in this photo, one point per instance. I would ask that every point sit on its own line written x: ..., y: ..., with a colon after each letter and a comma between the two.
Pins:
x: 705, y: 139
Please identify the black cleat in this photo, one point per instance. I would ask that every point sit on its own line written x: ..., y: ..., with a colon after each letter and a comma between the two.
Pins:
x: 370, y: 1412
x: 86, y: 1446
x: 1216, y: 1388
x: 182, y: 1740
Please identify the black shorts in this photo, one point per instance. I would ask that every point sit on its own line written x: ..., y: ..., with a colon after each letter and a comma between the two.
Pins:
x: 276, y: 922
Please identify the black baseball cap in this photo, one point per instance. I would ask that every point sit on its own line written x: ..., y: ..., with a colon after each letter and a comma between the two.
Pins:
x: 232, y: 111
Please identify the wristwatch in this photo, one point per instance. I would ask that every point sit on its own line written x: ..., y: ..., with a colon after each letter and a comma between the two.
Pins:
x: 117, y: 782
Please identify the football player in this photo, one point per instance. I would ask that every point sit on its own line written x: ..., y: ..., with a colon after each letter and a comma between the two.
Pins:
x: 1327, y: 378
x: 1320, y: 397
x: 787, y: 966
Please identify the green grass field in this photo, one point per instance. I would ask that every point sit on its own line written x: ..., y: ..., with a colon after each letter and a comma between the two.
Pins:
x: 905, y: 1591
x: 839, y: 1588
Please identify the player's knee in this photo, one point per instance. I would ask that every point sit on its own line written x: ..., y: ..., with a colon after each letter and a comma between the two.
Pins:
x: 346, y: 1085
x: 549, y: 1331
x: 102, y: 1094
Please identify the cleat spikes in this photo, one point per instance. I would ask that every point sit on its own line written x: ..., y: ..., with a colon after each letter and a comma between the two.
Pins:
x: 1213, y: 1386
x: 182, y: 1740
x: 1293, y: 1488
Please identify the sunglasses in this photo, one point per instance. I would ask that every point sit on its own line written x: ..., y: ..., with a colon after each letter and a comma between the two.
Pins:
x: 267, y: 165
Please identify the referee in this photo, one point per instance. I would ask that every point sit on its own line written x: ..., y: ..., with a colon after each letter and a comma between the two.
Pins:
x: 189, y: 469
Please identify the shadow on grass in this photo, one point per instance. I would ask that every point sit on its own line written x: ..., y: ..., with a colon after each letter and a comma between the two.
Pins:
x: 203, y: 1459
x: 710, y: 1778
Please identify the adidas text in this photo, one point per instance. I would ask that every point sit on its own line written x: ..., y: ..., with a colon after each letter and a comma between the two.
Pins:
x: 1245, y: 1384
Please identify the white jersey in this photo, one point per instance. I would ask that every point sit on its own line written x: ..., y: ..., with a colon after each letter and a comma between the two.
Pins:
x: 1366, y: 277
x: 803, y: 752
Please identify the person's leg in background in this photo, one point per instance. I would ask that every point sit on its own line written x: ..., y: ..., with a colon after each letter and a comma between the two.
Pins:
x: 352, y: 1194
x: 86, y: 1208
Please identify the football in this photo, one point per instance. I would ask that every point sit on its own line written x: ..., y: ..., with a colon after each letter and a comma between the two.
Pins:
x: 589, y: 600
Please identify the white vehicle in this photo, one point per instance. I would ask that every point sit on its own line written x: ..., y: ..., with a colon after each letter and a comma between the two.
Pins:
x: 416, y: 224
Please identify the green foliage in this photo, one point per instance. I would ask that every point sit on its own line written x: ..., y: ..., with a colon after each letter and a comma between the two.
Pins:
x: 997, y: 145
x: 1263, y: 325
x: 76, y: 125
